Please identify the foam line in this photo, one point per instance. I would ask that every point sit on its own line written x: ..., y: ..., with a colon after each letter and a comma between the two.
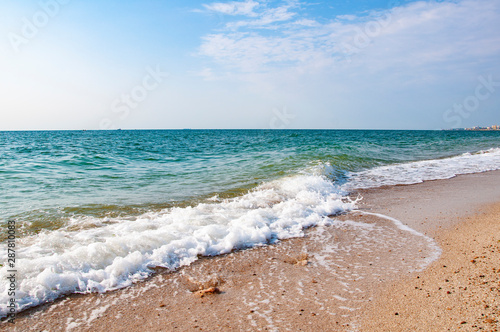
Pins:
x: 436, y: 250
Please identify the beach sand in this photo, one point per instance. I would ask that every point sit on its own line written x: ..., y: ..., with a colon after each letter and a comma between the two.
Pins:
x: 362, y: 273
x: 460, y: 291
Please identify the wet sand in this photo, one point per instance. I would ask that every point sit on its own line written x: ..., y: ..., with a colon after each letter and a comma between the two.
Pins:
x: 355, y: 274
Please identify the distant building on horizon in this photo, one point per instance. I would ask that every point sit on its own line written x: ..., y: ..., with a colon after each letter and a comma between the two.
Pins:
x: 478, y: 128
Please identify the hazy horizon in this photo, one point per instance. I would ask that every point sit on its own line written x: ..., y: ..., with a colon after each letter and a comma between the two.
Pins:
x: 403, y: 65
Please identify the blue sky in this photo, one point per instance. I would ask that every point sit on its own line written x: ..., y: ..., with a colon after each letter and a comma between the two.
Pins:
x: 249, y: 64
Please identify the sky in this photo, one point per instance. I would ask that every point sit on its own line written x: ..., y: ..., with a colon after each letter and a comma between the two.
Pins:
x: 268, y: 64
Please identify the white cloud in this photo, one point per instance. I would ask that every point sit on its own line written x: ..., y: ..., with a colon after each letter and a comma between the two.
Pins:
x: 234, y: 7
x: 347, y: 17
x: 422, y: 33
x: 265, y: 19
x: 259, y: 15
x: 306, y: 22
x: 408, y: 63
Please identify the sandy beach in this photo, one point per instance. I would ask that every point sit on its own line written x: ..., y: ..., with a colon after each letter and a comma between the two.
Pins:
x: 460, y: 291
x: 361, y: 273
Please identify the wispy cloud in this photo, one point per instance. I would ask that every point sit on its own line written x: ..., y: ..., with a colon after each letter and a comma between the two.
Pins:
x: 269, y: 17
x: 252, y: 13
x: 408, y: 62
x: 245, y: 8
x: 418, y: 34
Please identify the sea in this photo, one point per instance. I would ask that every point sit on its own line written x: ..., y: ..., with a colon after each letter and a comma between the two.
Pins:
x: 95, y: 211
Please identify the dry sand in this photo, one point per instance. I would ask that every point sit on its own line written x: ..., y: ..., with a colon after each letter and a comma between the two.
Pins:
x: 352, y: 275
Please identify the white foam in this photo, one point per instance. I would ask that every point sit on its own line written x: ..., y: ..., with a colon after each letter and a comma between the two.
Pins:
x: 105, y: 254
x: 435, y: 250
x: 419, y: 171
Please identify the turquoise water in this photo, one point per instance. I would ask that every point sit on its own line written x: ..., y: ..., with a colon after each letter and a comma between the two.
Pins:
x: 50, y: 175
x: 96, y: 210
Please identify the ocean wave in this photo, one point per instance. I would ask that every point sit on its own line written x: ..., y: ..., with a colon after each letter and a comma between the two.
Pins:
x: 425, y: 170
x: 103, y: 254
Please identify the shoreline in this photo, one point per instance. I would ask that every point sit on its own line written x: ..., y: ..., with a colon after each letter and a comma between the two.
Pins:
x: 295, y: 284
x: 433, y: 205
